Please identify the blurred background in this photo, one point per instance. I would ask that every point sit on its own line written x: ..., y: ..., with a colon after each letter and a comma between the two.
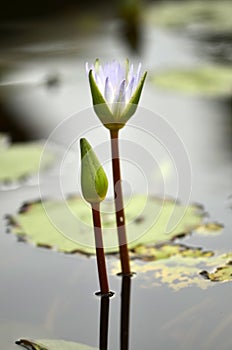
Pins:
x: 185, y: 46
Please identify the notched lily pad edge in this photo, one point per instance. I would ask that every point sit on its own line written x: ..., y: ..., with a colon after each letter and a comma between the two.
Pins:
x: 23, y: 237
x: 6, y: 182
x: 51, y: 344
x: 199, y: 255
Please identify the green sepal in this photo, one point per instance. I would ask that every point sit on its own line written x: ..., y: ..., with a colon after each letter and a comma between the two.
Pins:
x: 136, y: 95
x: 94, y: 181
x: 100, y: 105
x: 134, y: 100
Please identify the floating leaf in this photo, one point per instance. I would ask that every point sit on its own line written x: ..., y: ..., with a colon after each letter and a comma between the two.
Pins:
x: 49, y: 344
x: 165, y: 251
x: 221, y: 274
x: 20, y: 160
x: 212, y: 80
x: 71, y: 227
x: 209, y: 15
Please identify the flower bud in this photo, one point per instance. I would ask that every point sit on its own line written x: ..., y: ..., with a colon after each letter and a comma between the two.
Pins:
x: 94, y: 181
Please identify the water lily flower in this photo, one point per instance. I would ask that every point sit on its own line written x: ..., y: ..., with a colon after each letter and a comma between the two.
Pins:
x: 116, y: 90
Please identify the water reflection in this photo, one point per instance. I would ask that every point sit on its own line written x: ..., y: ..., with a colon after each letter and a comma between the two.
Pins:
x: 125, y: 312
x: 104, y: 322
x: 124, y: 316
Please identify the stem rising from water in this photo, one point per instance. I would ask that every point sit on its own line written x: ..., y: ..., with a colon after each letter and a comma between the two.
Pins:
x: 119, y: 208
x: 101, y: 264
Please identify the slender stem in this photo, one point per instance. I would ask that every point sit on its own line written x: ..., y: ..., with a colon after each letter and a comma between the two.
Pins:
x: 101, y: 264
x: 119, y: 208
x: 104, y: 321
x: 125, y: 312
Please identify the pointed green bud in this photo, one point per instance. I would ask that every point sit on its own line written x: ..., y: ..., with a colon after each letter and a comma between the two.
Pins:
x: 94, y: 181
x: 134, y: 101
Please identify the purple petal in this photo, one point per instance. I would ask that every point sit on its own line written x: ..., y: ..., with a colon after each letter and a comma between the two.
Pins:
x: 130, y: 73
x: 129, y: 89
x: 108, y: 93
x: 120, y: 96
x: 116, y: 82
x: 87, y: 68
x: 137, y: 76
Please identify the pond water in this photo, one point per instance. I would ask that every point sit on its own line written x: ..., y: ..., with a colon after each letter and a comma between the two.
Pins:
x: 45, y: 294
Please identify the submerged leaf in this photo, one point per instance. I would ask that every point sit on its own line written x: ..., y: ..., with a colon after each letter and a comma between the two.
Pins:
x: 50, y: 344
x: 211, y: 228
x: 178, y: 272
x: 20, y: 160
x: 221, y: 274
x: 71, y: 227
x: 164, y: 251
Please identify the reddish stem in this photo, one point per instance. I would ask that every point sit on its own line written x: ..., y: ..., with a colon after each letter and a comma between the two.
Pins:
x: 101, y: 264
x: 119, y: 208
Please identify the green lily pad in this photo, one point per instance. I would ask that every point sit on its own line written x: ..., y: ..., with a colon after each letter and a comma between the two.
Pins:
x: 20, y: 160
x: 212, y: 80
x: 49, y: 344
x: 67, y: 226
x: 208, y: 15
x: 221, y: 274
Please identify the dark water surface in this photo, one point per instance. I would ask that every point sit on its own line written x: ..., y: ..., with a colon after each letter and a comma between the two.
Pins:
x: 45, y: 294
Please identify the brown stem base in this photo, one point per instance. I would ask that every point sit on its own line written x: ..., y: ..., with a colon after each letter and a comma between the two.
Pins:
x: 101, y: 264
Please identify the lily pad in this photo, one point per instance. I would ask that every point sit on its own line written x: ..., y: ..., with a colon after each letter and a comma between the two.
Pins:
x: 214, y: 80
x: 20, y: 160
x: 49, y: 344
x: 67, y: 226
x: 205, y: 15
